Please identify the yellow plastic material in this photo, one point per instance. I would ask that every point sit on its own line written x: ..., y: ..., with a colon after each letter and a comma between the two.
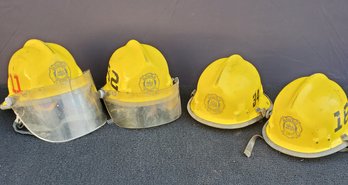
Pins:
x: 138, y: 71
x: 139, y: 91
x: 229, y: 94
x: 309, y: 118
x: 39, y: 64
x: 50, y: 95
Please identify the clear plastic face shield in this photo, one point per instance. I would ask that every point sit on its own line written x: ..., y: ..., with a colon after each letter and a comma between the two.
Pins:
x: 74, y: 111
x: 144, y: 114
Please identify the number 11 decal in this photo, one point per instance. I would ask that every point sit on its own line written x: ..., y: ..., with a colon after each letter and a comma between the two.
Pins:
x: 17, y: 82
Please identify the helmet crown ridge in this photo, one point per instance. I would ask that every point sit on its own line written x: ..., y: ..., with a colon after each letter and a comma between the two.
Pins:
x: 234, y: 65
x: 226, y: 68
x: 38, y: 44
x: 135, y: 48
x: 309, y: 89
x: 39, y: 64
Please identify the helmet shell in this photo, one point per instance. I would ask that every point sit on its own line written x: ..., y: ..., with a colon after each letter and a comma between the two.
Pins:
x: 50, y: 95
x: 309, y: 117
x: 139, y: 91
x: 39, y: 64
x: 229, y: 91
x: 138, y: 69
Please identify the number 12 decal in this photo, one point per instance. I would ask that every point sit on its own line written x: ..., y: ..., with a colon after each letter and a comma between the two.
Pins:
x: 337, y: 115
x: 113, y: 78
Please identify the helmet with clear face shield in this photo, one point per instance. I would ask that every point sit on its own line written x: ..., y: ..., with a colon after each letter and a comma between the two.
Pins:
x: 139, y: 91
x: 50, y: 95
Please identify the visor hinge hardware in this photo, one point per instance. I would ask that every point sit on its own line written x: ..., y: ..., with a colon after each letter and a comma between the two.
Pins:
x: 109, y: 121
x: 266, y: 113
x: 101, y: 93
x: 8, y: 105
x: 193, y: 93
x: 18, y: 126
x: 250, y: 146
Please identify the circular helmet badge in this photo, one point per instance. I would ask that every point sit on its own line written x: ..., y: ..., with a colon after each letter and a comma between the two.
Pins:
x: 149, y: 82
x: 214, y: 103
x: 290, y: 127
x: 59, y: 71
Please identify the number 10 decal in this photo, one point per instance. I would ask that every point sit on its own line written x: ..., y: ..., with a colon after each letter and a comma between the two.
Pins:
x: 337, y: 115
x: 14, y: 89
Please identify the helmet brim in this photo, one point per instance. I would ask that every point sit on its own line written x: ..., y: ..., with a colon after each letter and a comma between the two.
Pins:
x: 297, y: 153
x: 224, y: 125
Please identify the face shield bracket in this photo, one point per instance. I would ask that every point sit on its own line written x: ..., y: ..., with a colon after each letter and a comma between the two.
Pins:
x: 193, y: 93
x: 7, y: 104
x: 266, y: 113
x: 18, y: 127
x: 101, y: 93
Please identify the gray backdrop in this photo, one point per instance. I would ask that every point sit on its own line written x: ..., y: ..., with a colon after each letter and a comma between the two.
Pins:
x: 283, y: 39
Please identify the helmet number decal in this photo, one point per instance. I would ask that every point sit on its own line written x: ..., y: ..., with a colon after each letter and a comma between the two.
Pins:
x: 337, y: 115
x: 256, y: 97
x: 345, y: 113
x: 17, y: 82
x: 112, y: 78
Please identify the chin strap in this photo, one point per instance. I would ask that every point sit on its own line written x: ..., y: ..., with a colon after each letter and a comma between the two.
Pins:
x: 250, y: 146
x: 17, y: 123
x: 266, y: 113
x: 18, y: 127
x: 344, y: 138
x: 344, y: 150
